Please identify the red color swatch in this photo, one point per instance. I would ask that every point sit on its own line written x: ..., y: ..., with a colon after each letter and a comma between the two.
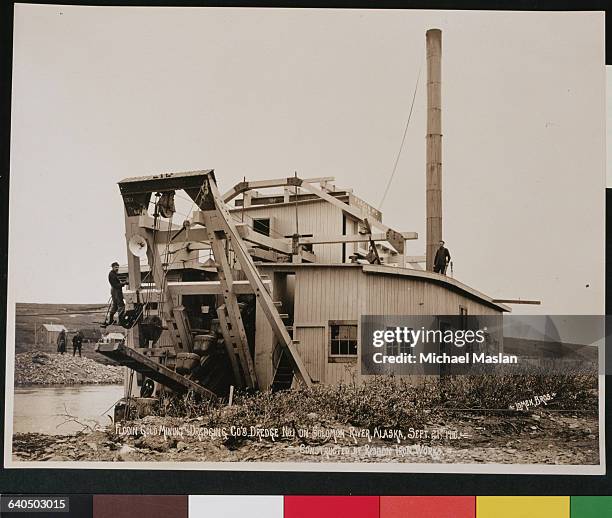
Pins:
x: 331, y: 507
x: 427, y: 506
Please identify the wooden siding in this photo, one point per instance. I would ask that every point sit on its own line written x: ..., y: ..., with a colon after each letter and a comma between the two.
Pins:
x: 315, y: 217
x: 327, y: 292
x: 264, y: 346
x: 313, y: 355
x: 395, y: 295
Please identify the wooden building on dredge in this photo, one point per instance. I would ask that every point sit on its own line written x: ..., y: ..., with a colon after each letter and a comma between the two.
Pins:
x: 242, y: 296
x: 325, y: 300
x: 264, y: 286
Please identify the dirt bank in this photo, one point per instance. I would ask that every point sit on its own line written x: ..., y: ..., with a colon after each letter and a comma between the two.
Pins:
x: 40, y: 368
x: 538, y: 438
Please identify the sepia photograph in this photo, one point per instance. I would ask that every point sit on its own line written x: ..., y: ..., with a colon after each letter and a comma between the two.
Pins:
x: 307, y: 240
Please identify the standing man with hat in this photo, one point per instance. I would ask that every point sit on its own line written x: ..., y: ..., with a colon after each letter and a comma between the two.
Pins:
x: 441, y: 259
x: 61, y: 342
x: 77, y: 343
x: 116, y: 295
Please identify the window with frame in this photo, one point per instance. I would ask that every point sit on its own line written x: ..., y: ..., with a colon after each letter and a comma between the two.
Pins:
x: 396, y: 348
x: 342, y: 339
x: 262, y: 225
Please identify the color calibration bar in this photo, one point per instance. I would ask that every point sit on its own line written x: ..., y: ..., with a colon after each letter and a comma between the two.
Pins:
x: 210, y: 506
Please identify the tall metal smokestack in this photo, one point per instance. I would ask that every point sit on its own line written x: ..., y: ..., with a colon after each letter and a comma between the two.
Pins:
x: 433, y: 204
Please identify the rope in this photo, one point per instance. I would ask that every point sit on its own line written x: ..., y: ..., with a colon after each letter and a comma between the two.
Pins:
x: 416, y: 86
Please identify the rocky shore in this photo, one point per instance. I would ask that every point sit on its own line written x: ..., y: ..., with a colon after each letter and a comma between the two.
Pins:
x: 40, y: 368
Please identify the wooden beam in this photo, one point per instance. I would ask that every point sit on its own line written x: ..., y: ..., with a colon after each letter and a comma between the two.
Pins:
x: 151, y: 368
x: 185, y: 180
x: 134, y: 273
x: 196, y: 234
x: 192, y: 288
x: 266, y: 184
x: 250, y: 235
x: 247, y: 186
x: 146, y: 221
x: 517, y: 301
x: 269, y: 256
x: 234, y: 326
x: 229, y: 344
x: 353, y: 238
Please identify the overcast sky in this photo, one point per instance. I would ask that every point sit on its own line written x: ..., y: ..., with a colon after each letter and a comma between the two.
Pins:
x: 104, y: 93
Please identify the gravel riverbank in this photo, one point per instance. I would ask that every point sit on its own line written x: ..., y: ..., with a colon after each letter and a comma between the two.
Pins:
x: 40, y: 368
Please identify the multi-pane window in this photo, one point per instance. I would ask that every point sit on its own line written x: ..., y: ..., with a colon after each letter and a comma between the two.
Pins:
x: 342, y: 338
x: 394, y: 348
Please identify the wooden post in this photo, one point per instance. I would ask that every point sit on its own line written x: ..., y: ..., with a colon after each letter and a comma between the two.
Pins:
x: 433, y: 203
x: 134, y: 275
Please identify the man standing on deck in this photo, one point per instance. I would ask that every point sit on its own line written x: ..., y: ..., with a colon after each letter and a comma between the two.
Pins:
x: 116, y: 295
x: 441, y: 259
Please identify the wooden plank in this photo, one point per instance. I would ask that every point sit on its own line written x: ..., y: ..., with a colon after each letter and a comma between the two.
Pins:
x: 266, y: 184
x: 134, y: 273
x: 265, y: 255
x: 354, y: 238
x: 194, y: 234
x: 229, y: 344
x: 165, y: 182
x: 152, y: 369
x: 250, y: 235
x: 193, y: 288
x: 148, y: 222
x: 517, y: 301
x: 235, y: 330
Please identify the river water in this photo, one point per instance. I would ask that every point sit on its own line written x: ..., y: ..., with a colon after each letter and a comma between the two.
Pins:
x: 42, y: 409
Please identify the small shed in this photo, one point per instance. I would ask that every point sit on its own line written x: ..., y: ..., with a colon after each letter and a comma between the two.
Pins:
x: 52, y: 331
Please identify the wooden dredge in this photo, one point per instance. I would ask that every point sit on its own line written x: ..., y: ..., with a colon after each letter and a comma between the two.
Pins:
x: 242, y: 296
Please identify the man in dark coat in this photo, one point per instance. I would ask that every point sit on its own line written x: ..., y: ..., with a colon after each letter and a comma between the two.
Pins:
x: 77, y: 343
x: 61, y: 342
x: 117, y: 304
x: 441, y: 259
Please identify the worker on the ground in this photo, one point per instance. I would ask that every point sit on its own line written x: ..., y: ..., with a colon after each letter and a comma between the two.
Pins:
x: 77, y: 343
x: 61, y: 342
x: 117, y: 304
x: 441, y: 259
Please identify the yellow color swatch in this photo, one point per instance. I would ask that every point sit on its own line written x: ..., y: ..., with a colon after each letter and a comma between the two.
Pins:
x: 522, y: 507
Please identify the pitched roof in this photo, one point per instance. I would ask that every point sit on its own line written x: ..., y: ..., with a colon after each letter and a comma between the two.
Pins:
x: 370, y: 269
x: 54, y: 327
